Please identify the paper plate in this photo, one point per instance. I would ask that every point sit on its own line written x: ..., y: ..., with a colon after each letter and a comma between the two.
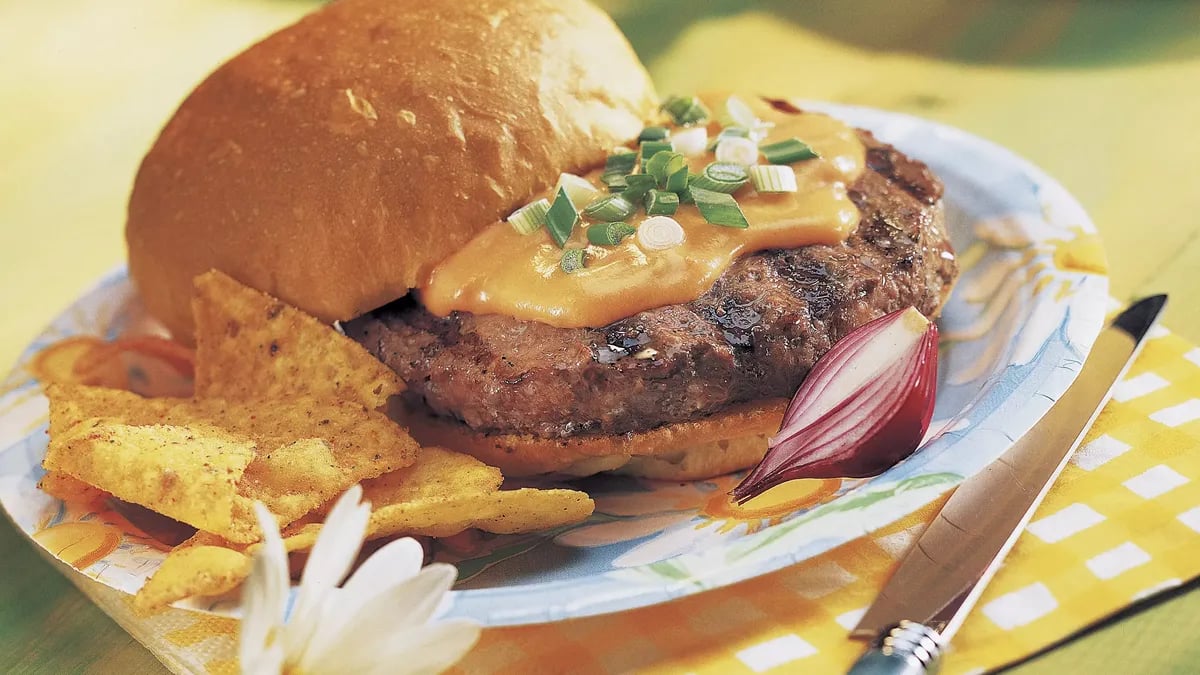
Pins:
x: 1022, y: 318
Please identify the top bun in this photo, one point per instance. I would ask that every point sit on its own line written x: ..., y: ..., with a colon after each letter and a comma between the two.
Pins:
x: 333, y: 164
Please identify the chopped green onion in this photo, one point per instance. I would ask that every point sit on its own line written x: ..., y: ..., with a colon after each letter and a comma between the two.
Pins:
x: 664, y: 164
x: 578, y: 189
x: 728, y: 132
x: 616, y: 182
x: 719, y: 208
x: 618, y: 165
x: 609, y: 234
x: 719, y: 177
x: 742, y: 151
x: 659, y: 233
x: 612, y: 207
x: 637, y: 185
x: 685, y: 110
x: 573, y: 260
x: 654, y: 134
x: 529, y: 218
x: 691, y: 142
x: 677, y: 181
x: 773, y: 178
x: 661, y: 203
x: 561, y: 218
x: 652, y: 148
x: 621, y: 162
x: 738, y: 114
x: 787, y: 152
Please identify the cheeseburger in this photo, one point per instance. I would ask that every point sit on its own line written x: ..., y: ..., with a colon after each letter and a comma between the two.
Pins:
x: 571, y: 274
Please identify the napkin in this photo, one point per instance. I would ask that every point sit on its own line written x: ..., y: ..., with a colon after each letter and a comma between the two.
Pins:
x: 1121, y: 524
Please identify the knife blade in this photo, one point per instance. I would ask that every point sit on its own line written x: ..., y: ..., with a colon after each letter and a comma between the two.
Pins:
x: 938, y: 582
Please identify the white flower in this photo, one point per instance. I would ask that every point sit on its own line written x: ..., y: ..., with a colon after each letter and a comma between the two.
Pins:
x: 379, y: 621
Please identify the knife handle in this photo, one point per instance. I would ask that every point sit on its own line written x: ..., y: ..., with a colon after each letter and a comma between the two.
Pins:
x: 906, y: 648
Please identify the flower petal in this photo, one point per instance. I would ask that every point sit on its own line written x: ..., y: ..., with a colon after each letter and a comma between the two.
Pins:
x: 330, y: 559
x: 264, y: 601
x: 394, y: 563
x: 266, y: 662
x: 401, y: 609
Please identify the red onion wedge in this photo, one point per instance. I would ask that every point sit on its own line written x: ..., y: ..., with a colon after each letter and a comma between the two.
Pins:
x: 864, y: 406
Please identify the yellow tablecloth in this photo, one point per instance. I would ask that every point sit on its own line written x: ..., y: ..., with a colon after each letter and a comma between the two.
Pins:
x: 1103, y: 95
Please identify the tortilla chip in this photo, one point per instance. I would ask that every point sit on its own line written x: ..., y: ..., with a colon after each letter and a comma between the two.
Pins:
x: 250, y: 346
x: 193, y: 570
x: 71, y: 490
x: 187, y: 473
x: 446, y: 492
x: 308, y: 452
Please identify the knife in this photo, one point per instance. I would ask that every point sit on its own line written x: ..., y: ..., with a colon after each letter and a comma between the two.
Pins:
x: 926, y: 600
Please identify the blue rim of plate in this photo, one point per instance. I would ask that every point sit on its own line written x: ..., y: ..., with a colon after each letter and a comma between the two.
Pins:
x: 1053, y: 327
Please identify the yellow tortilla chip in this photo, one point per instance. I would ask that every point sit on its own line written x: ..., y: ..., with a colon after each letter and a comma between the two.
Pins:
x: 446, y: 492
x: 308, y: 452
x: 250, y: 346
x: 187, y: 473
x: 193, y: 570
x: 70, y: 489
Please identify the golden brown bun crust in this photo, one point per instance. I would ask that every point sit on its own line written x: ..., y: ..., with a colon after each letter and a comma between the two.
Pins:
x: 335, y: 162
x: 727, y: 441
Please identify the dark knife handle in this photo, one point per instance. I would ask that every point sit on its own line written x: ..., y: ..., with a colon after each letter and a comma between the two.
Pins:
x: 907, y: 648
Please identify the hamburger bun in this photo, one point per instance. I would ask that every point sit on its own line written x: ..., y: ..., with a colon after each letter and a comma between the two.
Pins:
x: 335, y: 162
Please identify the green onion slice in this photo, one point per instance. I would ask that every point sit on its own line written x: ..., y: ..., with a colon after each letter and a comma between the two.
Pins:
x: 738, y: 114
x: 616, y: 182
x: 529, y: 218
x: 721, y: 177
x: 652, y: 148
x: 621, y: 162
x: 612, y: 207
x: 677, y: 181
x: 773, y: 178
x: 573, y: 260
x: 691, y: 142
x: 561, y: 218
x: 742, y: 151
x: 664, y: 164
x: 685, y: 110
x: 609, y: 234
x: 654, y: 134
x: 787, y: 152
x: 637, y: 185
x: 578, y: 188
x: 728, y: 132
x: 659, y: 233
x: 661, y: 203
x: 719, y: 208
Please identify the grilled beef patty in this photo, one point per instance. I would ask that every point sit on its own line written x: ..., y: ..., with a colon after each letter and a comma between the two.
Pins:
x: 754, y: 335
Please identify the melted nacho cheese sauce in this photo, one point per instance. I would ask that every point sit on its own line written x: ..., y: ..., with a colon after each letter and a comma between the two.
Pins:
x: 503, y: 272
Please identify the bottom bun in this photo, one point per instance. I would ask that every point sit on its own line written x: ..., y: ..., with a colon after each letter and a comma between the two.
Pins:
x: 733, y: 439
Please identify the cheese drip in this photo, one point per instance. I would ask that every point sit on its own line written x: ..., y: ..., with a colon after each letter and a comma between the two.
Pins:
x: 503, y: 272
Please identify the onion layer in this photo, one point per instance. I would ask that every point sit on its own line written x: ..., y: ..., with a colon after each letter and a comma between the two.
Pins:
x: 864, y: 406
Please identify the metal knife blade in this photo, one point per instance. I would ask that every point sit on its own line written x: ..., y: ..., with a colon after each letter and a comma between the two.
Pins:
x: 924, y: 603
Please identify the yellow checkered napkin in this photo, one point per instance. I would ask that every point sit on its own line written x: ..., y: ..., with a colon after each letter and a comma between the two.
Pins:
x: 1122, y: 523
